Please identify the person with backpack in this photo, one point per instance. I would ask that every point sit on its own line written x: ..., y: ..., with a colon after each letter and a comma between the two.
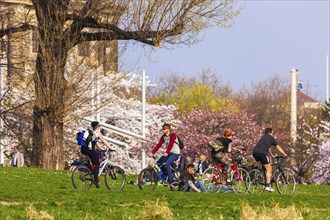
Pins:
x: 221, y: 149
x: 172, y: 153
x: 88, y: 145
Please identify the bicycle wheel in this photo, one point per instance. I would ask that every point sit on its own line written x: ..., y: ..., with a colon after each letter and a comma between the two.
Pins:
x: 285, y: 183
x: 147, y: 179
x: 82, y: 177
x: 115, y: 178
x: 257, y: 182
x: 174, y: 186
x: 212, y: 180
x: 240, y: 180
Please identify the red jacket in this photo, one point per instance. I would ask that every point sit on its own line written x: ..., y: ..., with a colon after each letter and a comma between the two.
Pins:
x: 161, y: 142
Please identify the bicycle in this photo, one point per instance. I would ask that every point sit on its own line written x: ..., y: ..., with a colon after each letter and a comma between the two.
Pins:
x: 284, y: 180
x: 149, y: 177
x: 82, y: 176
x: 214, y: 180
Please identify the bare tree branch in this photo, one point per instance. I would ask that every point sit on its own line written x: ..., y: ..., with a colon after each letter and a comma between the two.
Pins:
x: 15, y: 29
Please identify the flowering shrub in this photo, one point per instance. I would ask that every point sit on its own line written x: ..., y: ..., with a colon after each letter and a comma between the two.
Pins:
x: 200, y: 127
x: 322, y: 175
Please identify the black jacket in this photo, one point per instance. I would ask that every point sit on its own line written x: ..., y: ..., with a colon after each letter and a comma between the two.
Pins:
x: 205, y: 165
x: 185, y: 176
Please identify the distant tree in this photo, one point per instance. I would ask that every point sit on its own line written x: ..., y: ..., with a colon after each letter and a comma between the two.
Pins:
x: 268, y: 102
x: 326, y: 111
x: 200, y: 97
x: 63, y: 24
x: 311, y: 134
x: 204, y: 92
x: 209, y: 77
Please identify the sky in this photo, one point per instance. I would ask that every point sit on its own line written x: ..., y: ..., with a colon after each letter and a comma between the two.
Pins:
x: 268, y: 38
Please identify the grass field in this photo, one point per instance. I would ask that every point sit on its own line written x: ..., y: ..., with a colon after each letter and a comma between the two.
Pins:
x: 30, y: 193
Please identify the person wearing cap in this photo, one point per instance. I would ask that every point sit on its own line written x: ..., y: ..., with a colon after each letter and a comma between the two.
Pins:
x: 172, y: 152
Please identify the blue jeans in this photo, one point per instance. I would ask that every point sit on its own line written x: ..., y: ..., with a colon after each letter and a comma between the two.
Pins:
x: 169, y: 160
x: 198, y: 185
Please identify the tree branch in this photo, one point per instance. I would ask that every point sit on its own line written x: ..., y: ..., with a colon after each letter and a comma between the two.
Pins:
x: 22, y: 28
x: 108, y: 35
x: 115, y: 33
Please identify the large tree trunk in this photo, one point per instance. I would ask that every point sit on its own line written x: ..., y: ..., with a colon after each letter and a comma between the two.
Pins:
x: 47, y: 140
x: 48, y: 117
x: 50, y: 85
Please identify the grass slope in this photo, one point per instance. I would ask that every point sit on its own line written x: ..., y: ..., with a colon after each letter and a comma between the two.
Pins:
x: 31, y: 193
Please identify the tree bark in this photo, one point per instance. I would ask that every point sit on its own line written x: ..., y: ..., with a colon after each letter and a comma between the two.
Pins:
x: 48, y: 118
x: 50, y: 85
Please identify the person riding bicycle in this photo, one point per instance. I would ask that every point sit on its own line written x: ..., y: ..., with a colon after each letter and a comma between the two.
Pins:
x: 261, y: 151
x: 91, y: 152
x: 172, y: 152
x: 221, y: 149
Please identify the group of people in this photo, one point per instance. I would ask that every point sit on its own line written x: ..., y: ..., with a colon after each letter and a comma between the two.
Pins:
x: 221, y: 152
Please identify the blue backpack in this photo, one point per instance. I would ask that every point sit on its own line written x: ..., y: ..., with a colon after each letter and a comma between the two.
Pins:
x: 83, y: 139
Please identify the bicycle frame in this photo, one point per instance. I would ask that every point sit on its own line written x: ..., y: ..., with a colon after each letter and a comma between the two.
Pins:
x: 276, y: 170
x: 157, y: 168
x: 219, y: 172
x: 104, y: 163
x: 281, y: 176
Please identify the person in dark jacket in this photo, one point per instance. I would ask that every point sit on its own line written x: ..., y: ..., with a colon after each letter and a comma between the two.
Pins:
x: 91, y: 151
x: 202, y: 165
x: 221, y: 149
x: 187, y: 176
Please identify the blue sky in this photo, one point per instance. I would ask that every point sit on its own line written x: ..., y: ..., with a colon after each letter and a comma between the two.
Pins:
x: 268, y: 38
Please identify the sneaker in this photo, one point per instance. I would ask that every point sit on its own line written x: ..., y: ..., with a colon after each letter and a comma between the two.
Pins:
x: 229, y: 183
x: 269, y: 189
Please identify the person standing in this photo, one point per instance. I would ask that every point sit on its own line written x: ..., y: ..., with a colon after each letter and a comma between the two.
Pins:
x: 261, y: 151
x: 172, y: 152
x: 18, y: 158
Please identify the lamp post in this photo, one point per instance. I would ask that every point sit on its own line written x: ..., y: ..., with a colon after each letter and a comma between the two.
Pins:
x: 327, y: 78
x: 2, y: 72
x: 293, y: 105
x: 143, y: 126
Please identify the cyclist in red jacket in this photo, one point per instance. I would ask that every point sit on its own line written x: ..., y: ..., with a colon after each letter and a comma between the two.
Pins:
x: 172, y: 152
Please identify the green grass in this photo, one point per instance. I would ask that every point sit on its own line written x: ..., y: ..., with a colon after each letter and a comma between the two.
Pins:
x: 52, y: 192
